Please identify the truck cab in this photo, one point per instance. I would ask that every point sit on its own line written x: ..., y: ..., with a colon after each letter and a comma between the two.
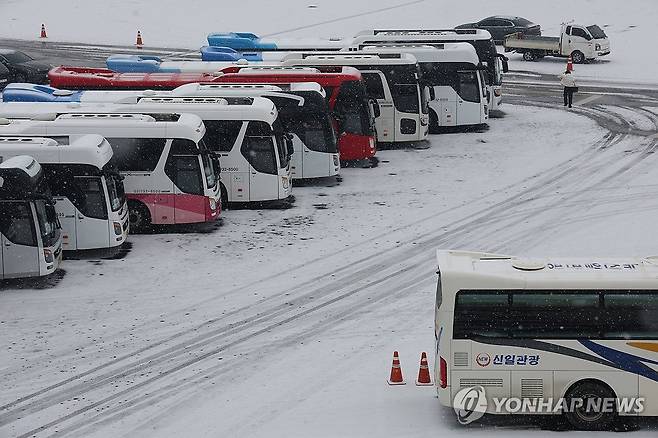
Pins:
x: 583, y: 43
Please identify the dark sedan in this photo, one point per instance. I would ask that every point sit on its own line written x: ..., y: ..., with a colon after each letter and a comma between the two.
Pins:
x: 499, y: 26
x: 4, y: 76
x: 24, y: 68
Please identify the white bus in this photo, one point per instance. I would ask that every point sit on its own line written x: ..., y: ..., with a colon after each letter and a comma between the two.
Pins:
x: 170, y: 176
x: 495, y: 63
x: 302, y: 108
x: 245, y: 132
x: 30, y: 237
x: 455, y: 79
x: 88, y: 190
x: 564, y: 329
x: 392, y: 80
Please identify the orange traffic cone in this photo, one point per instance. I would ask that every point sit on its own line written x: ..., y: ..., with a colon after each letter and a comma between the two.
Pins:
x: 139, y: 43
x: 396, y: 371
x: 569, y: 63
x: 424, y: 372
x: 43, y: 31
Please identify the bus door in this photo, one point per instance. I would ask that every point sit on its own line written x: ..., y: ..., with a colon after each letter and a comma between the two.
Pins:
x: 445, y: 105
x: 20, y: 251
x: 377, y: 88
x: 91, y: 224
x: 469, y: 97
x: 184, y: 168
x: 66, y: 214
x: 260, y: 152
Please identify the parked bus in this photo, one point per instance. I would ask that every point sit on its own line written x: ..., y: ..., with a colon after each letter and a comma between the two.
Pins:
x: 345, y: 93
x: 170, y: 175
x: 302, y: 109
x: 392, y: 80
x: 495, y: 63
x: 88, y: 190
x: 455, y: 79
x: 245, y: 133
x: 549, y: 330
x: 30, y: 238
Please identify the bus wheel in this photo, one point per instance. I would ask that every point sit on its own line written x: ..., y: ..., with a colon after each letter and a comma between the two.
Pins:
x: 139, y: 216
x: 434, y: 123
x: 528, y: 56
x: 591, y: 413
x: 577, y: 57
x: 224, y: 196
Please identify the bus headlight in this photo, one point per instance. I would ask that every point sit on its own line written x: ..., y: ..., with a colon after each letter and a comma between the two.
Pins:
x: 285, y: 182
x: 597, y: 47
x: 48, y: 256
x: 498, y: 92
x: 371, y: 142
x: 213, y: 204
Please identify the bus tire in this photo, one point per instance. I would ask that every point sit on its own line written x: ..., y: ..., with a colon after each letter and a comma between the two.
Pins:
x: 434, y: 122
x: 579, y: 418
x: 528, y: 56
x: 223, y: 196
x: 139, y: 216
x: 578, y: 57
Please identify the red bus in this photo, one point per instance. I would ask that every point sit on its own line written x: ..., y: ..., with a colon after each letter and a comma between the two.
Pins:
x: 352, y: 111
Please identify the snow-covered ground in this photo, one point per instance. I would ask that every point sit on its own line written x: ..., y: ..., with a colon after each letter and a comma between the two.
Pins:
x: 630, y: 25
x: 288, y: 318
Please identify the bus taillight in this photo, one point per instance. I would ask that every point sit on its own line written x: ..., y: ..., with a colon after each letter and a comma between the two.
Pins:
x: 443, y: 373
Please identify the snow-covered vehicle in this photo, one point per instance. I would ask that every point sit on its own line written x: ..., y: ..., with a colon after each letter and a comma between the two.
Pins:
x: 582, y: 43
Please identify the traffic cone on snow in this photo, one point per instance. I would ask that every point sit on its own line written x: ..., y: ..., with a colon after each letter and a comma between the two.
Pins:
x: 569, y: 63
x: 424, y: 372
x: 43, y: 32
x: 396, y: 371
x: 139, y: 43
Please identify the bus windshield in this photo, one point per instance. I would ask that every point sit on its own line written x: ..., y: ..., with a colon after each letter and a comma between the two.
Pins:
x: 461, y: 77
x: 209, y: 170
x: 115, y: 191
x: 352, y: 109
x: 258, y: 147
x: 403, y: 80
x: 48, y: 224
x: 314, y: 129
x: 281, y: 143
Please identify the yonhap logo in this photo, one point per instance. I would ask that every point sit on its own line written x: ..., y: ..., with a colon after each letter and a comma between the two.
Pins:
x: 470, y: 404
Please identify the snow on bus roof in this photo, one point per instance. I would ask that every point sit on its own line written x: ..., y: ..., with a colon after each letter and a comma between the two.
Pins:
x: 445, y: 52
x: 91, y: 149
x: 481, y: 270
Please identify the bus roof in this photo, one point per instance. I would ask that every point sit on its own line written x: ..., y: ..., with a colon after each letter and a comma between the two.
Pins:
x: 40, y: 121
x: 394, y: 57
x: 20, y: 178
x: 335, y: 77
x: 446, y: 52
x: 411, y: 34
x: 100, y: 78
x: 90, y: 149
x: 246, y: 108
x: 485, y: 271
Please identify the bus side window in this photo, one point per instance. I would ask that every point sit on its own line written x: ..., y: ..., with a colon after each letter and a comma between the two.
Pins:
x: 17, y: 223
x: 221, y: 134
x: 258, y: 148
x: 630, y: 315
x: 137, y: 154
